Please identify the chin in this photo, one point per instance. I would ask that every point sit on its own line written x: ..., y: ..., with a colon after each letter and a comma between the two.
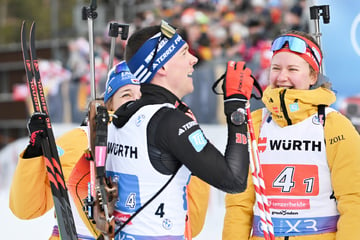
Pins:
x: 190, y: 90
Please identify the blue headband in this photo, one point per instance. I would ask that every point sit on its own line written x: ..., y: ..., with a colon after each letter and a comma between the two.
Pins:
x: 144, y: 64
x: 118, y: 77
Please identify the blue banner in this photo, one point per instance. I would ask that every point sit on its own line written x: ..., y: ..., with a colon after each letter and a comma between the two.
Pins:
x: 340, y: 43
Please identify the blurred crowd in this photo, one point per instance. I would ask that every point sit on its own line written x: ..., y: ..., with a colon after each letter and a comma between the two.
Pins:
x: 216, y: 30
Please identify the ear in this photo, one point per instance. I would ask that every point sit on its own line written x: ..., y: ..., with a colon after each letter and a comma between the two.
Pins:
x: 162, y: 71
x: 313, y: 78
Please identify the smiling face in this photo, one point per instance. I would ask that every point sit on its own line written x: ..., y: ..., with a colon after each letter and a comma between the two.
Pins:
x: 289, y: 70
x: 178, y: 72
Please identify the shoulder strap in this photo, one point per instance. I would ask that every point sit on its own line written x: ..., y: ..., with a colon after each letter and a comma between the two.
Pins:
x: 321, y: 114
x: 142, y: 207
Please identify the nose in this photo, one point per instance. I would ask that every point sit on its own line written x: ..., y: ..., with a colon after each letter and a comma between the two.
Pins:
x: 282, y: 76
x: 193, y: 60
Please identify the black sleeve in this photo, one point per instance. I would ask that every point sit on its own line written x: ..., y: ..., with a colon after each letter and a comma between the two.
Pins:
x: 183, y: 138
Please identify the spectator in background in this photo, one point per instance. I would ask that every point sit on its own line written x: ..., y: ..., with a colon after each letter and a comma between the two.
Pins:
x: 292, y: 19
x: 53, y: 75
x: 78, y: 64
x: 228, y: 30
x: 196, y: 34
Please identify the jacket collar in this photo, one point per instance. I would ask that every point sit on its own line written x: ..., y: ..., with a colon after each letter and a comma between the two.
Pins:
x: 290, y: 106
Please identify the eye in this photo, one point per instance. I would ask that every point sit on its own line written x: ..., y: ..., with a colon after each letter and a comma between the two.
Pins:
x: 125, y: 95
x: 183, y: 53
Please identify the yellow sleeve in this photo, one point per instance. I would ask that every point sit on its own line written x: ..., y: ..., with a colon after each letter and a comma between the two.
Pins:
x: 198, y: 200
x: 239, y: 207
x: 239, y: 213
x: 30, y: 193
x: 343, y: 153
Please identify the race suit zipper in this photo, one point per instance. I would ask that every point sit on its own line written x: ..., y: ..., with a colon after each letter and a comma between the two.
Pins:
x: 283, y: 107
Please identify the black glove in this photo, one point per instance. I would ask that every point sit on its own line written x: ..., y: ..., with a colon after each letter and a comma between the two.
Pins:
x: 37, y: 131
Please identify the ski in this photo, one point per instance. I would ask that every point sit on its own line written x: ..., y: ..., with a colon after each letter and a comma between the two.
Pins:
x: 65, y: 220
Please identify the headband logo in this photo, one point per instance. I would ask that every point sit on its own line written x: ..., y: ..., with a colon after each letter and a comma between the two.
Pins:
x: 109, y: 89
x: 163, y: 56
x: 155, y: 52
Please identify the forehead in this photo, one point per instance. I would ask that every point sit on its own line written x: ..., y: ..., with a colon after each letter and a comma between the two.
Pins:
x: 129, y: 87
x: 288, y: 58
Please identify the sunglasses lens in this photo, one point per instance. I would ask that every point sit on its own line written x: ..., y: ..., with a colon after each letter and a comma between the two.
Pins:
x: 278, y: 44
x: 295, y: 44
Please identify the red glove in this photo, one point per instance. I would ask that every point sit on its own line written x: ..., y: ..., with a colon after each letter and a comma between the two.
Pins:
x: 238, y: 80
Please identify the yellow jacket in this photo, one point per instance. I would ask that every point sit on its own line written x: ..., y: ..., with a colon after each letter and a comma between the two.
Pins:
x: 30, y: 193
x: 343, y: 159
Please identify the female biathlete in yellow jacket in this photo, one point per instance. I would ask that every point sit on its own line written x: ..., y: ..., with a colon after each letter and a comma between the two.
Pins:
x: 313, y: 186
x: 30, y: 193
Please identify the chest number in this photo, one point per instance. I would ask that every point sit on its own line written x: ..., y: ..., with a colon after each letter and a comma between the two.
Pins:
x: 131, y: 201
x: 160, y: 210
x: 285, y: 180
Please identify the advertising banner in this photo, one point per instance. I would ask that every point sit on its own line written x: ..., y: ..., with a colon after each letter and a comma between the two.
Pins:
x: 340, y: 42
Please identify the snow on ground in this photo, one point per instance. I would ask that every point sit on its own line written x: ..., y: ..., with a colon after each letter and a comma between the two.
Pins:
x: 40, y: 228
x: 14, y: 228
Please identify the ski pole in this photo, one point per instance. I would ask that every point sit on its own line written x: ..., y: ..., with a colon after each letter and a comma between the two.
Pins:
x: 315, y: 13
x: 258, y: 179
x: 113, y: 33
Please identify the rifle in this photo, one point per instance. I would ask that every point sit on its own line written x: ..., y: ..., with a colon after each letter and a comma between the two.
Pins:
x: 315, y: 13
x: 102, y: 192
x: 113, y: 33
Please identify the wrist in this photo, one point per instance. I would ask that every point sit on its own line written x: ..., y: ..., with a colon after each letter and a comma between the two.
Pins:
x: 238, y: 117
x: 234, y: 102
x: 235, y: 111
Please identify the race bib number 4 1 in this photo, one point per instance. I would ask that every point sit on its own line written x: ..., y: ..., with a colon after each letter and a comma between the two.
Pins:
x: 294, y: 180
